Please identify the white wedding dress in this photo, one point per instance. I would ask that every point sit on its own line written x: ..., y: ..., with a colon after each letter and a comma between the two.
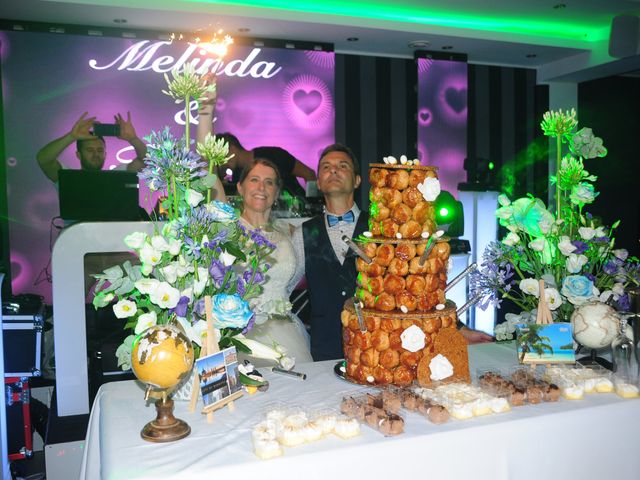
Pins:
x: 274, y: 319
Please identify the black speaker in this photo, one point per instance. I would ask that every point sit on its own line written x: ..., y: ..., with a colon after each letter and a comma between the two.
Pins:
x: 624, y: 40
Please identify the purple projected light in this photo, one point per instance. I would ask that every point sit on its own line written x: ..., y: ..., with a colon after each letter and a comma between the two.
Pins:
x: 442, y: 119
x: 266, y: 97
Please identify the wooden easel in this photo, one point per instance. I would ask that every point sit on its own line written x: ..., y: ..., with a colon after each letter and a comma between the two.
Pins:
x: 208, y: 348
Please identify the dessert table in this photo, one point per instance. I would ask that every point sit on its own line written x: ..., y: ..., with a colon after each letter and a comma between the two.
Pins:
x: 594, y: 438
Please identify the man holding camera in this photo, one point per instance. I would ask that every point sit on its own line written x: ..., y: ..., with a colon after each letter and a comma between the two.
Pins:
x: 90, y: 145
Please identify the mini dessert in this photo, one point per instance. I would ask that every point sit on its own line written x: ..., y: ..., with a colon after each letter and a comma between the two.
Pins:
x: 391, y: 424
x: 627, y: 390
x: 551, y: 393
x: 604, y: 385
x: 266, y: 449
x: 265, y: 430
x: 346, y: 427
x: 326, y: 422
x: 572, y: 391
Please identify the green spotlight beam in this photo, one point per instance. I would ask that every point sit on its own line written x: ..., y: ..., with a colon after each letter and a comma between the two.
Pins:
x: 513, y: 23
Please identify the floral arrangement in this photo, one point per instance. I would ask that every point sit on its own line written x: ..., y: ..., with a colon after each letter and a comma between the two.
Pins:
x: 569, y: 249
x: 201, y: 250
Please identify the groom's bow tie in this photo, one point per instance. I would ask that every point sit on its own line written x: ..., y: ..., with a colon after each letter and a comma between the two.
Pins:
x: 348, y: 217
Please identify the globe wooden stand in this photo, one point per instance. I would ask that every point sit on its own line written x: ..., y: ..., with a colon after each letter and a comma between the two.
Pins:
x: 166, y: 427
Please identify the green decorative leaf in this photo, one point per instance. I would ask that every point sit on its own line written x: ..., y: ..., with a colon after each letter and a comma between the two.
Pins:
x: 241, y: 347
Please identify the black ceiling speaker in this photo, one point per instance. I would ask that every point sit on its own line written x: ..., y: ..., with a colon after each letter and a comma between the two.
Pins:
x: 624, y: 40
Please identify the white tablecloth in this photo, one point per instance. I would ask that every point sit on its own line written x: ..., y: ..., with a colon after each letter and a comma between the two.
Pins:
x: 595, y: 438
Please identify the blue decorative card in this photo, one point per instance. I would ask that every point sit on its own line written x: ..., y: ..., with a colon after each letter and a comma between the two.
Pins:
x: 552, y: 343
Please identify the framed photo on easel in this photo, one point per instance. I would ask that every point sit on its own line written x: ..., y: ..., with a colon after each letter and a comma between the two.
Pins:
x: 218, y: 374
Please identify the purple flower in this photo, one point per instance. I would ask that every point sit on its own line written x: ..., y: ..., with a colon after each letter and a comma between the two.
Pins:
x: 590, y: 277
x: 217, y: 271
x: 581, y: 247
x: 199, y: 308
x: 181, y: 308
x: 610, y: 268
x: 241, y: 288
x: 260, y: 240
x: 249, y: 326
x: 601, y: 239
x: 257, y: 278
x: 624, y: 304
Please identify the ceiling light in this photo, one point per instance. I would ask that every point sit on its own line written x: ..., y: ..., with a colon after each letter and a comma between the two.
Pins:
x: 289, y: 45
x: 244, y: 30
x: 531, y: 55
x: 94, y: 33
x: 447, y: 47
x: 258, y: 43
x: 352, y: 39
x: 129, y: 35
x: 119, y: 20
x: 419, y: 44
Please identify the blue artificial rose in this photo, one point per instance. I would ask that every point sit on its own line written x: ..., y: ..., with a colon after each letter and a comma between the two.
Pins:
x: 221, y: 212
x: 578, y: 289
x: 230, y: 311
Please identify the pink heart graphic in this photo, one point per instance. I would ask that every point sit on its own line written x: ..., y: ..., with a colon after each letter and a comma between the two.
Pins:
x: 308, y: 102
x: 456, y: 98
x: 424, y: 117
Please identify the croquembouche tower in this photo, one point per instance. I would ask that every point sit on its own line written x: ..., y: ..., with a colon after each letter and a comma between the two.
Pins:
x: 399, y: 327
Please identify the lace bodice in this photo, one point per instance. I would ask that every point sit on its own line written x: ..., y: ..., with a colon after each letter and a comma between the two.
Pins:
x: 277, y: 288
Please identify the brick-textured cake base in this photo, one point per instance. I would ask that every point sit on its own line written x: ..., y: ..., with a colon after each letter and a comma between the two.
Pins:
x: 376, y: 356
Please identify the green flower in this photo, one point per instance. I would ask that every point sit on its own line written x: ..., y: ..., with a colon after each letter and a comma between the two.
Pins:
x: 528, y: 215
x: 214, y: 150
x: 585, y: 144
x: 187, y: 83
x: 558, y: 124
x: 582, y: 193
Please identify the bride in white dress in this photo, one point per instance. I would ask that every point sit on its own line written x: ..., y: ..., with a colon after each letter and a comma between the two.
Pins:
x: 259, y: 188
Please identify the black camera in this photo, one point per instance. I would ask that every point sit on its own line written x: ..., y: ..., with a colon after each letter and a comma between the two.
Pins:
x: 106, y: 129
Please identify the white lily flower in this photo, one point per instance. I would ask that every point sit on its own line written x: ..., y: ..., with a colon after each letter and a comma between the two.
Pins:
x: 174, y: 246
x: 618, y: 290
x: 125, y: 309
x: 530, y: 286
x: 135, y: 240
x: 183, y: 267
x: 146, y: 269
x: 260, y: 350
x: 147, y: 285
x: 227, y: 259
x: 170, y: 272
x: 165, y: 296
x: 201, y: 283
x: 537, y: 244
x: 159, y: 243
x: 586, y: 233
x: 621, y: 254
x: 565, y: 246
x: 553, y: 298
x: 145, y: 321
x: 511, y: 239
x: 150, y: 255
x: 576, y: 262
x: 600, y: 232
x: 187, y: 292
x: 192, y: 197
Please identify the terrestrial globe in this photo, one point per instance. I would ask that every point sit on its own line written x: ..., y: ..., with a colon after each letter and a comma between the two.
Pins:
x: 595, y: 325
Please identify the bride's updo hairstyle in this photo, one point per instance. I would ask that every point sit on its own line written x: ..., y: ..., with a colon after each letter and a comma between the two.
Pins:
x: 260, y: 161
